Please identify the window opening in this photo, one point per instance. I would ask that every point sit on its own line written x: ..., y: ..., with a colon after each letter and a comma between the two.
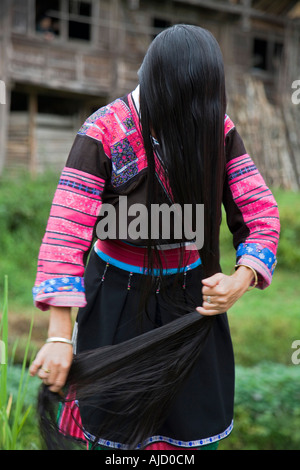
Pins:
x: 48, y: 104
x: 160, y: 24
x: 267, y: 54
x: 79, y: 29
x: 260, y: 54
x: 18, y: 101
x: 69, y: 19
x: 46, y: 22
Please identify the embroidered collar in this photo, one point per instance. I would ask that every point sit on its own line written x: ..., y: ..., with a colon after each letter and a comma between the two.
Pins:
x: 136, y: 99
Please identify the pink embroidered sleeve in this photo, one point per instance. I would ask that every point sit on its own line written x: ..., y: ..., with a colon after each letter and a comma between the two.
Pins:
x: 252, y: 212
x: 70, y: 228
x: 68, y: 236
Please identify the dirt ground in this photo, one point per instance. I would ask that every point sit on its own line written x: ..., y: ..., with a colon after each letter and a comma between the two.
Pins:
x: 18, y: 331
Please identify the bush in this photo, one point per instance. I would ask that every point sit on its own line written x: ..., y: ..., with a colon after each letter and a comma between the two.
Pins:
x: 289, y: 246
x: 267, y: 408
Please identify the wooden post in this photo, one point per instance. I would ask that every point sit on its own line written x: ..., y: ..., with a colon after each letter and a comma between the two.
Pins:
x: 64, y: 20
x: 116, y: 41
x: 4, y: 117
x: 246, y: 20
x: 33, y: 108
x: 5, y: 95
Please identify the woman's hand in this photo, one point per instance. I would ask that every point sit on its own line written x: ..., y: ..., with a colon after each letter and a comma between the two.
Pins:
x: 54, y: 360
x: 52, y: 364
x: 220, y: 292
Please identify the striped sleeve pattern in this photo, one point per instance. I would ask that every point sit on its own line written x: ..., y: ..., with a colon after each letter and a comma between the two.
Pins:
x: 255, y: 210
x: 68, y: 236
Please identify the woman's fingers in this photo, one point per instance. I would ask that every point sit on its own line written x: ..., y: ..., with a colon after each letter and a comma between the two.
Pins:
x: 219, y: 293
x: 55, y: 378
x: 38, y: 363
x: 56, y: 383
x: 208, y: 312
x: 213, y: 281
x: 58, y: 379
x: 211, y: 305
x: 52, y: 365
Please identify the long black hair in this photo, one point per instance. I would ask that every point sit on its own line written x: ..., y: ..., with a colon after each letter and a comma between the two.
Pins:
x: 133, y: 383
x: 182, y: 103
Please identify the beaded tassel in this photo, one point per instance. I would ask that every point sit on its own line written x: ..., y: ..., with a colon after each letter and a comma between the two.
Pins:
x: 103, y: 275
x: 158, y: 286
x: 129, y: 282
x: 184, y: 280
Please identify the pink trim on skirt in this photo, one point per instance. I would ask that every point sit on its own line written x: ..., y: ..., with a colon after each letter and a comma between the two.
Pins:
x: 70, y: 425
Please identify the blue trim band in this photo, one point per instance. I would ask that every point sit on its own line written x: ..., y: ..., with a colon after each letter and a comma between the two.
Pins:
x: 174, y: 442
x: 141, y: 270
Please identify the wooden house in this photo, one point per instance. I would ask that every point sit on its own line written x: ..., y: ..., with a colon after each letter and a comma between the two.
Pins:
x: 62, y: 59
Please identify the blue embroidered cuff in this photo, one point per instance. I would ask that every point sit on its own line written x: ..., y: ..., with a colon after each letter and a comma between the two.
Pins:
x: 65, y: 291
x: 259, y: 258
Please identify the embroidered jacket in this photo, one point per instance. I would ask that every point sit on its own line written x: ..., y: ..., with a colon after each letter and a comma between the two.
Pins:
x: 108, y: 160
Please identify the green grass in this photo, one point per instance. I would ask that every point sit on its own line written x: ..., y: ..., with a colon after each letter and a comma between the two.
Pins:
x: 29, y: 436
x: 264, y: 323
x: 13, y: 410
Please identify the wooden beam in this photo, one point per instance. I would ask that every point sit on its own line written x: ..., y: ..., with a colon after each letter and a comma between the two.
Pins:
x: 241, y: 9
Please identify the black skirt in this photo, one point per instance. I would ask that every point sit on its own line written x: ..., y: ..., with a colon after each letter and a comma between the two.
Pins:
x: 202, y: 412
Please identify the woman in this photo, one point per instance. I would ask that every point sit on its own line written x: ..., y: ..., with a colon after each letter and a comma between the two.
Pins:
x: 162, y: 143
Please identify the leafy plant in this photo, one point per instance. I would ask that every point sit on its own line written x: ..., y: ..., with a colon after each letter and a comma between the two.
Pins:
x: 267, y: 408
x: 13, y: 414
